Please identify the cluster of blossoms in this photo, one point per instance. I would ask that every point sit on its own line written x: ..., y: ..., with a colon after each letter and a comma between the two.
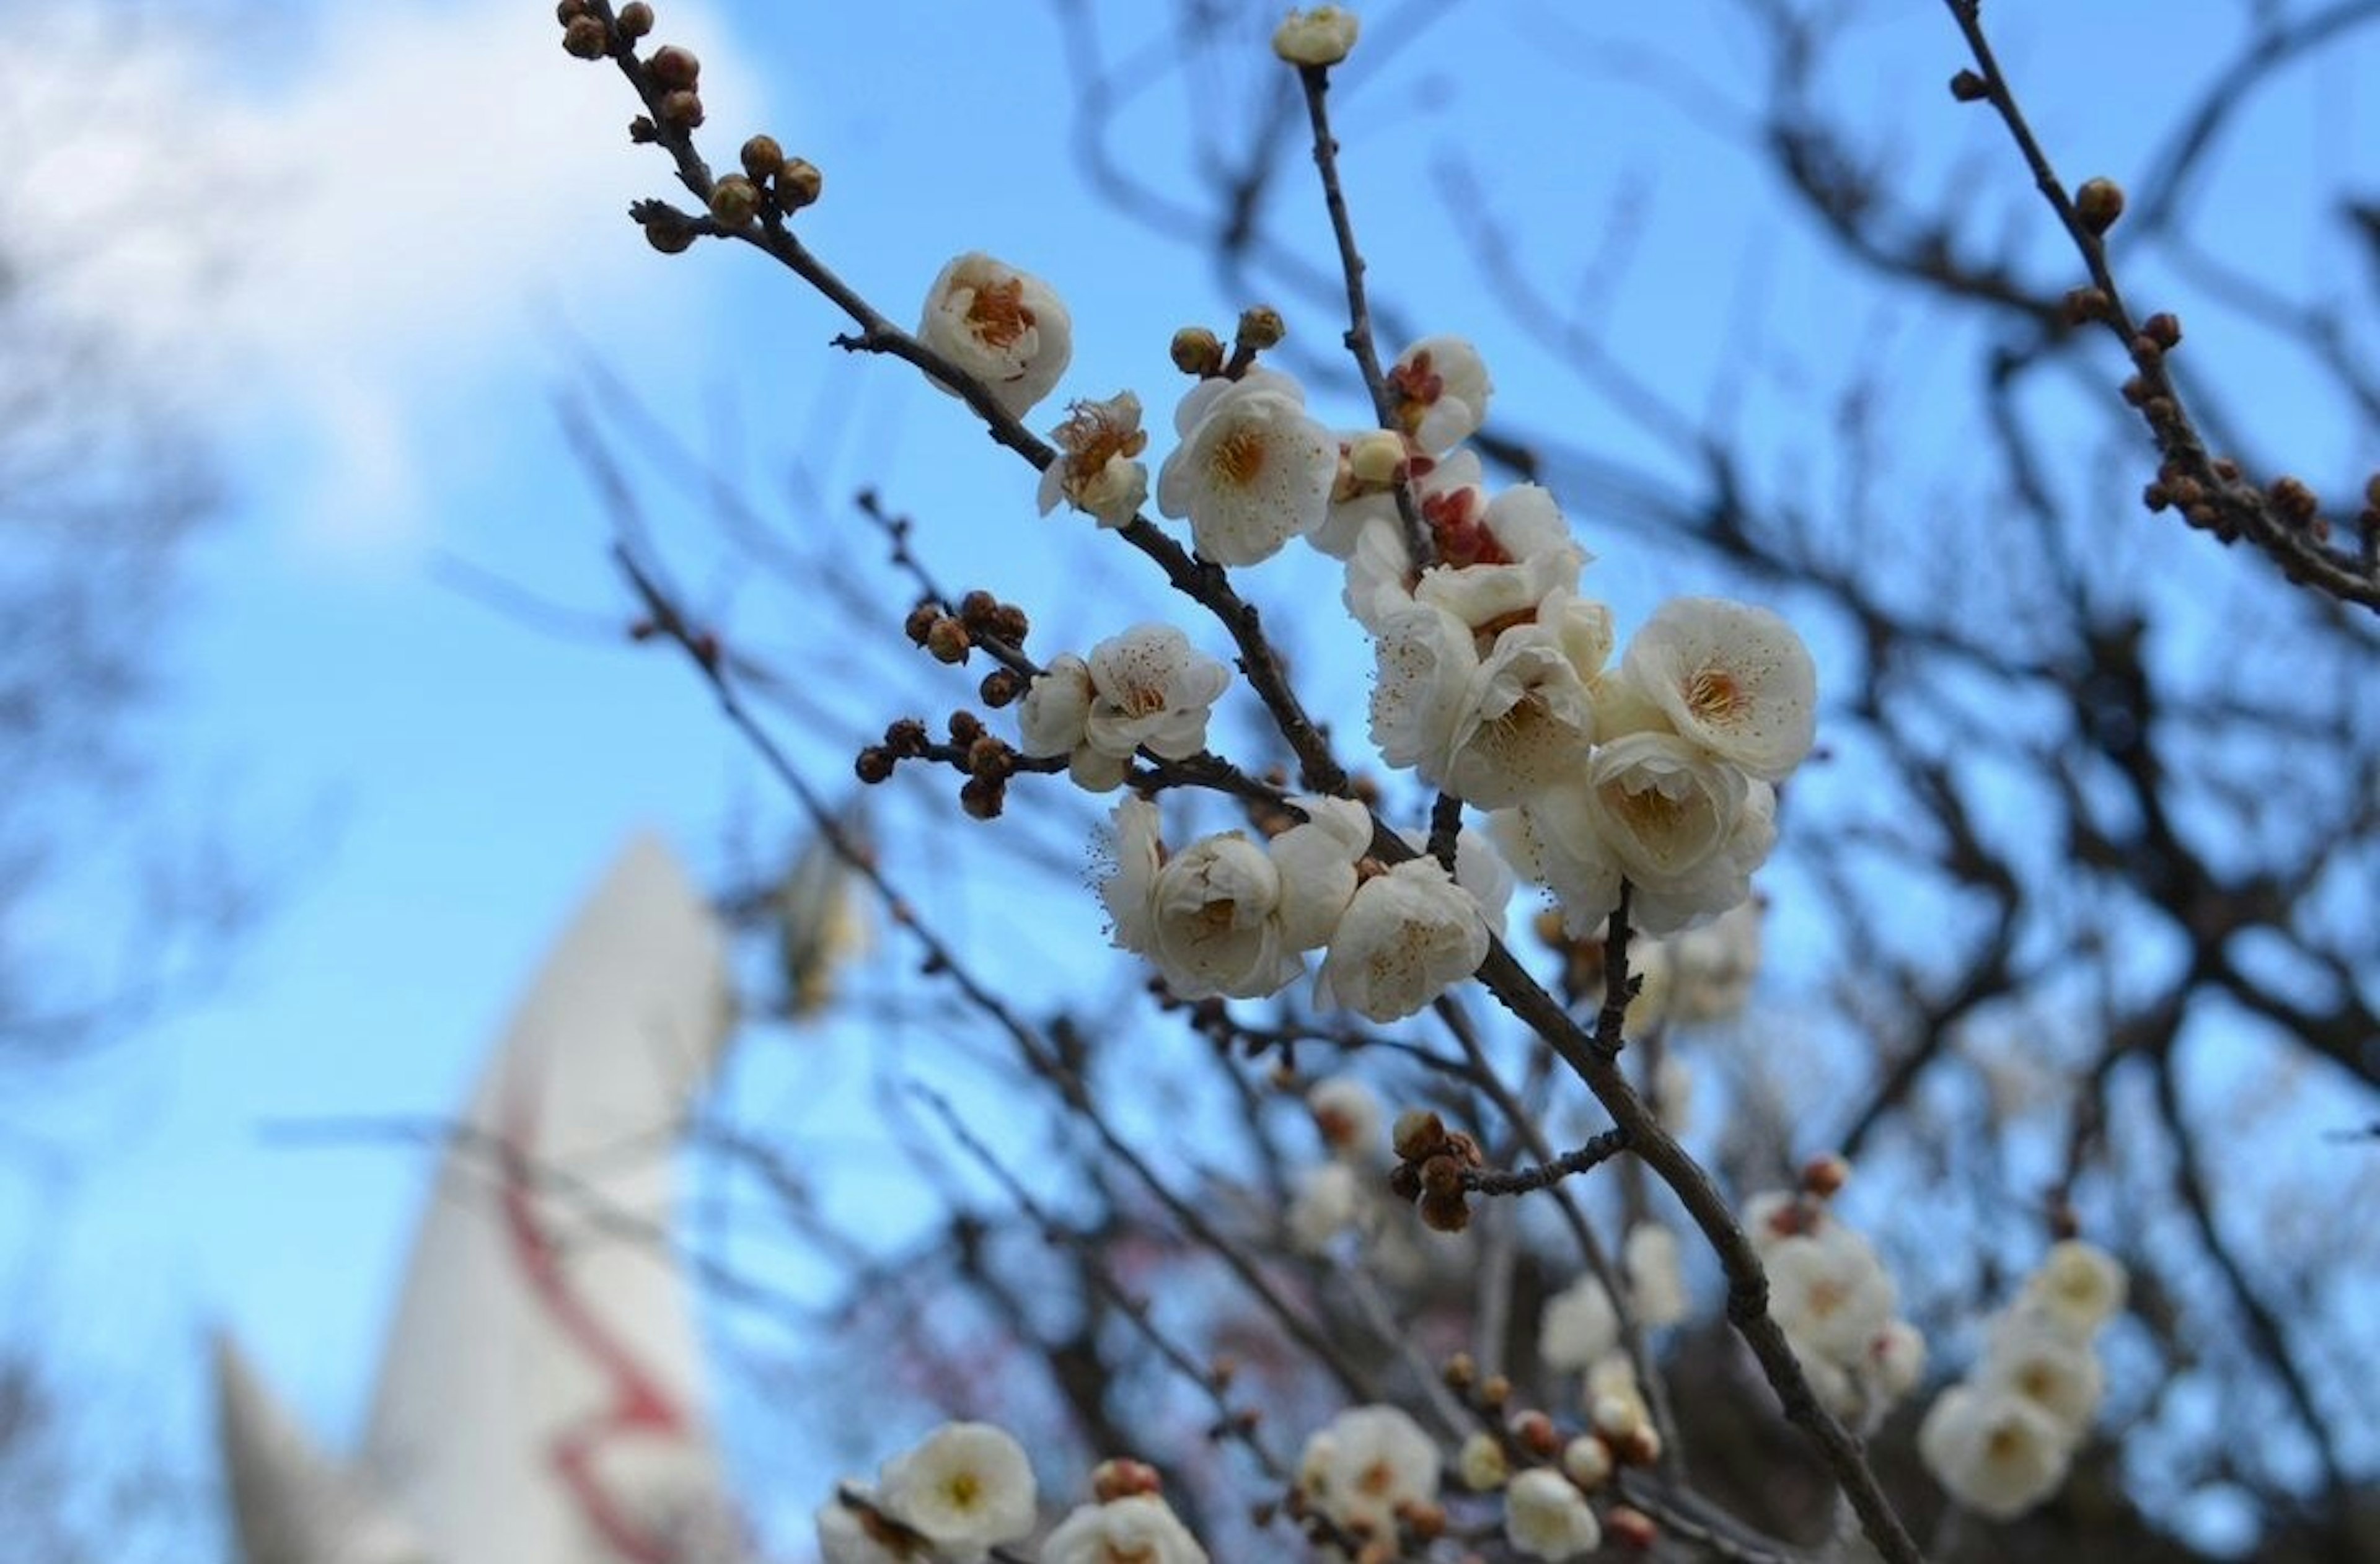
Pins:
x: 1370, y: 1469
x: 1494, y: 676
x: 1829, y: 1293
x: 968, y: 1488
x: 2000, y: 1440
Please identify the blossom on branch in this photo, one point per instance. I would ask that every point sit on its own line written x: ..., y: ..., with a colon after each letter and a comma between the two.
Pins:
x: 1252, y: 471
x: 1440, y: 387
x: 1410, y: 934
x: 966, y: 1489
x: 1731, y: 678
x: 1547, y: 1517
x: 1004, y: 327
x: 1321, y: 36
x: 1365, y: 1463
x: 1147, y: 689
x: 1134, y: 1529
x: 1096, y: 472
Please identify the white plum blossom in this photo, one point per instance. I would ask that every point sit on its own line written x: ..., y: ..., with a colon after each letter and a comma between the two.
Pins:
x: 2079, y: 1284
x: 1829, y: 1293
x: 1725, y: 879
x: 1212, y: 914
x: 1409, y: 935
x: 1364, y: 526
x: 1657, y: 1281
x: 1580, y: 1325
x: 1135, y: 1529
x: 1478, y: 869
x: 1498, y: 562
x: 1001, y: 326
x: 1586, y: 1460
x: 1422, y: 663
x: 1054, y: 719
x: 1095, y: 471
x: 1317, y: 859
x: 1480, y: 1462
x: 1152, y: 690
x: 1662, y: 807
x: 1322, y: 35
x: 1130, y: 884
x: 1349, y: 1116
x: 1996, y: 1453
x: 1522, y: 723
x: 2030, y: 1355
x: 1366, y: 1462
x: 1252, y: 471
x: 1547, y: 1517
x: 1440, y: 388
x: 966, y: 1489
x: 1732, y: 678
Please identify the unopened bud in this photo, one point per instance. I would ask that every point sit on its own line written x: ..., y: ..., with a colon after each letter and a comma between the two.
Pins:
x: 1534, y: 1431
x: 948, y: 641
x: 636, y: 19
x: 798, y: 183
x: 1197, y: 351
x: 1002, y: 686
x: 682, y: 108
x: 2098, y: 204
x: 1374, y: 458
x: 1418, y: 1133
x: 1124, y: 1478
x: 2164, y: 329
x: 1586, y: 1460
x: 1261, y: 327
x: 761, y: 157
x: 734, y: 199
x: 1481, y: 1464
x: 668, y: 232
x: 1969, y: 88
x: 586, y: 38
x: 675, y: 68
x: 873, y: 764
x: 921, y: 621
x: 1631, y: 1528
x: 1824, y: 1174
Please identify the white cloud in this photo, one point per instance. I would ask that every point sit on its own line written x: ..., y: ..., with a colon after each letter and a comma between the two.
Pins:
x: 383, y: 223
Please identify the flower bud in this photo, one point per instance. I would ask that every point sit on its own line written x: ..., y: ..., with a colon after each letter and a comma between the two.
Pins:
x: 798, y: 183
x: 668, y: 232
x: 2098, y: 204
x: 1418, y: 1133
x: 1969, y: 88
x: 1535, y: 1432
x: 1826, y: 1174
x: 675, y: 68
x: 1002, y: 686
x: 1323, y: 36
x: 733, y: 201
x: 761, y: 157
x: 682, y: 109
x: 1631, y: 1528
x: 1124, y: 1478
x: 1197, y: 351
x: 1261, y: 327
x: 636, y: 19
x: 1481, y: 1463
x: 586, y: 38
x: 948, y: 641
x: 1586, y: 1460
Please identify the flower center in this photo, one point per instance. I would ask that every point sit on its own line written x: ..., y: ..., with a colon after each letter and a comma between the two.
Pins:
x: 1239, y: 456
x: 1714, y: 696
x: 998, y: 315
x: 1376, y: 1479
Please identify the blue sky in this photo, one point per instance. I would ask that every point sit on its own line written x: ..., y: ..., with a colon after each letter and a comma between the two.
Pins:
x: 439, y: 236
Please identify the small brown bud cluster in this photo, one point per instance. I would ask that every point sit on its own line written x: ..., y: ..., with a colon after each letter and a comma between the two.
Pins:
x: 1431, y: 1163
x: 951, y: 636
x: 1969, y: 88
x: 666, y: 228
x: 677, y: 73
x: 987, y: 759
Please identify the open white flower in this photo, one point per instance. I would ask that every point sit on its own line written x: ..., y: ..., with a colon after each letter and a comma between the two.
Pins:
x: 1095, y: 472
x: 1407, y: 937
x: 1128, y: 889
x: 1151, y: 689
x: 1998, y: 1454
x: 1367, y: 1462
x: 1317, y: 860
x: 1547, y: 1517
x: 1440, y: 388
x: 966, y: 1489
x: 1001, y: 326
x: 1252, y: 471
x: 1136, y: 1529
x: 1662, y: 807
x: 2079, y: 1284
x: 1724, y: 881
x: 1829, y: 1293
x: 1522, y: 723
x: 1423, y: 662
x: 1580, y: 1326
x: 1364, y: 528
x: 1214, y: 929
x: 1054, y: 719
x: 1323, y: 35
x: 1733, y: 678
x: 1497, y: 562
x: 2031, y: 1355
x: 1895, y: 1360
